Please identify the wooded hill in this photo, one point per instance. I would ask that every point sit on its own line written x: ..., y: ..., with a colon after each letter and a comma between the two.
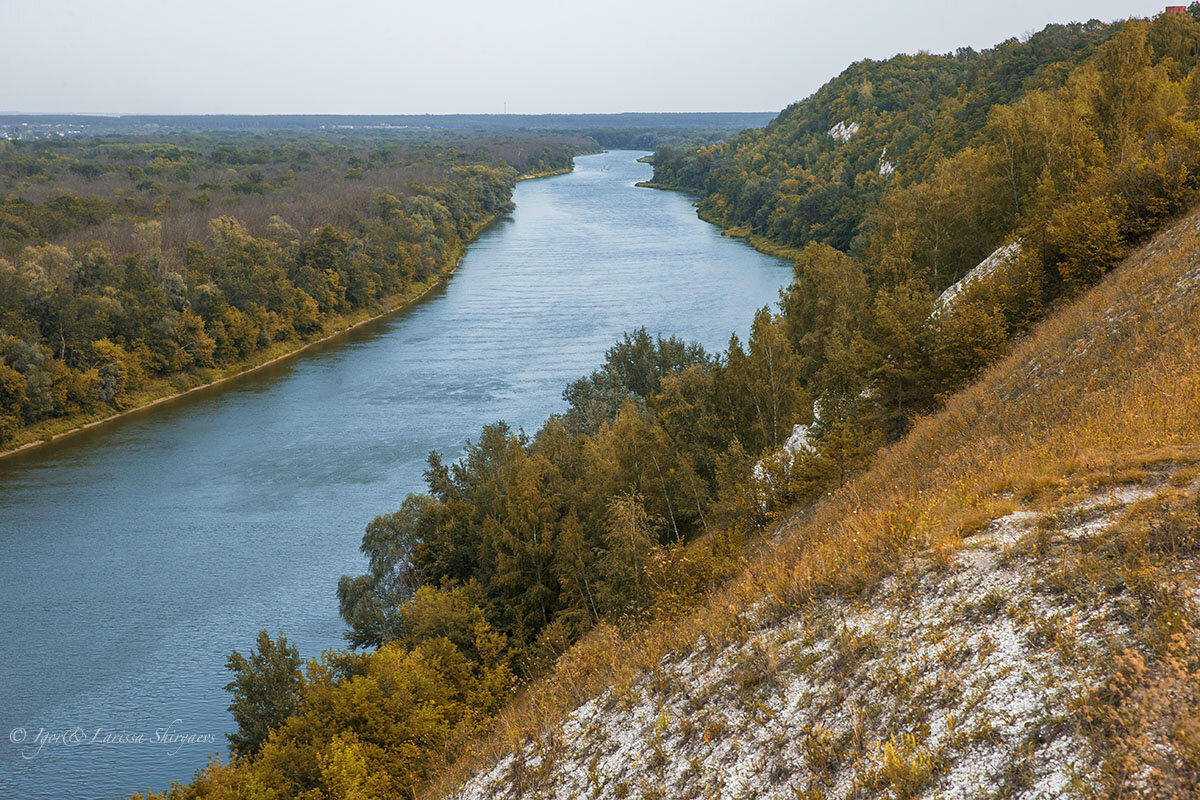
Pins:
x: 898, y: 177
x: 1003, y: 605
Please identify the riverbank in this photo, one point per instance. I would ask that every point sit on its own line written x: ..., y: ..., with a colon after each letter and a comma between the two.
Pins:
x: 760, y: 243
x: 549, y: 173
x: 166, y: 389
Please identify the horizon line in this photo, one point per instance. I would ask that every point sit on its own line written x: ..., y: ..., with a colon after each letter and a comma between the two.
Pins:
x: 115, y: 114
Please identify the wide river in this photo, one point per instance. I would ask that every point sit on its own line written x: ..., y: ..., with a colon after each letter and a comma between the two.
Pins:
x: 137, y: 555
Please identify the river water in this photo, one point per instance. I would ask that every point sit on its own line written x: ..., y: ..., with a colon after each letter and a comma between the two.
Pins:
x: 136, y: 555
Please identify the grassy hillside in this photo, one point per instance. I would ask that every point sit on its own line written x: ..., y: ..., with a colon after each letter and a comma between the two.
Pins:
x: 1002, y: 605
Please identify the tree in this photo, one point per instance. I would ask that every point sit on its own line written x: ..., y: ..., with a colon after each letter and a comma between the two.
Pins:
x: 196, y: 347
x: 575, y: 569
x: 969, y: 337
x: 628, y: 541
x: 12, y: 400
x: 266, y: 687
x: 773, y: 381
x: 848, y: 447
x: 635, y: 453
x: 1088, y: 238
x: 901, y: 334
x: 634, y: 367
x: 523, y: 540
x: 827, y: 299
x: 452, y: 612
x: 370, y: 603
x: 1131, y: 92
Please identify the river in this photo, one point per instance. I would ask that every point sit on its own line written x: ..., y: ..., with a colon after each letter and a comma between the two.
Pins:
x: 137, y: 554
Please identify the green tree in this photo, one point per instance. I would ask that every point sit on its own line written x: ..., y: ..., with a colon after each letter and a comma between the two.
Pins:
x: 576, y: 569
x: 523, y: 540
x: 827, y: 299
x: 773, y: 381
x: 847, y: 447
x: 968, y: 337
x: 901, y: 335
x: 12, y: 400
x: 266, y: 689
x: 370, y: 603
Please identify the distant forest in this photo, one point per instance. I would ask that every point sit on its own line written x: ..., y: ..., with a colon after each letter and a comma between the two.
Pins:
x: 134, y: 267
x: 633, y: 131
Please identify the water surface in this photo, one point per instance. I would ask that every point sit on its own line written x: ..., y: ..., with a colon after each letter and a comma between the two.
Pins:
x: 136, y: 555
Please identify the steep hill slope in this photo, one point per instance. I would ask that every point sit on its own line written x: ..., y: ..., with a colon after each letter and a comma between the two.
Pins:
x: 817, y: 167
x: 1003, y: 605
x: 1072, y: 147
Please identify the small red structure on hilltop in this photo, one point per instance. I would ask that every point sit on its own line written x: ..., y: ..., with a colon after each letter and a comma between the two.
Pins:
x: 1175, y: 9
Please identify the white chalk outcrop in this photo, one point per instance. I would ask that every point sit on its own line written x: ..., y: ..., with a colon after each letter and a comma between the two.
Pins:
x: 945, y: 682
x: 1001, y: 257
x: 843, y: 132
x: 886, y: 167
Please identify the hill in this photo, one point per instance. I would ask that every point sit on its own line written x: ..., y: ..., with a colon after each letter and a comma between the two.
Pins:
x: 815, y: 171
x: 1003, y: 605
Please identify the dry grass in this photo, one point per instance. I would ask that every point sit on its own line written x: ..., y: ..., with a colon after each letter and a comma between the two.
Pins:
x: 939, y: 681
x: 1103, y: 392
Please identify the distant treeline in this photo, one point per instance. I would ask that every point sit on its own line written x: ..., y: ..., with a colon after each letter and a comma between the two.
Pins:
x: 646, y: 124
x: 130, y: 267
x: 655, y: 138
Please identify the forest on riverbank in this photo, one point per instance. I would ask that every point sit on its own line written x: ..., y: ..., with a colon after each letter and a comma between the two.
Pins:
x: 132, y: 268
x: 1037, y: 164
x: 1033, y: 168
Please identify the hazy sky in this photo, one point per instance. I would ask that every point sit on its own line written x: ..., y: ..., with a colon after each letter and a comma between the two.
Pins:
x: 473, y: 56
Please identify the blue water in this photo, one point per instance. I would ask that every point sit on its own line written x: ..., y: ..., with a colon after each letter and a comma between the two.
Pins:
x: 136, y: 555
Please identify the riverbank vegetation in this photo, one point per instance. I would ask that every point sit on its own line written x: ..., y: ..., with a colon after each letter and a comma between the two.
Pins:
x: 1056, y: 156
x: 1041, y: 162
x: 134, y: 268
